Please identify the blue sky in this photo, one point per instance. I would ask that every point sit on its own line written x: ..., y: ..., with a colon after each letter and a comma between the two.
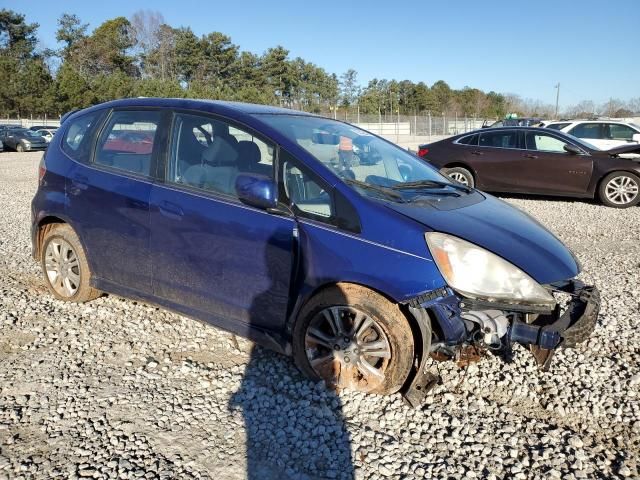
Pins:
x: 523, y: 47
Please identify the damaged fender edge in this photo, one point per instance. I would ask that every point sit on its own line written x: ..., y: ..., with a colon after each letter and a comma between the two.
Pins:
x: 453, y: 314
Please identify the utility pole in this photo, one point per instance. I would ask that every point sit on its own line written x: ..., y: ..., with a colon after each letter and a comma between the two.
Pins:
x: 557, y: 98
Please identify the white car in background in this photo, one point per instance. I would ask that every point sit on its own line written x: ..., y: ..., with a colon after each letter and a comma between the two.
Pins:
x: 47, y: 133
x: 604, y: 134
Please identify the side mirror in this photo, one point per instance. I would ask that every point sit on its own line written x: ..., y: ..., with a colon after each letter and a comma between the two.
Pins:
x: 636, y: 137
x: 570, y: 148
x: 257, y: 191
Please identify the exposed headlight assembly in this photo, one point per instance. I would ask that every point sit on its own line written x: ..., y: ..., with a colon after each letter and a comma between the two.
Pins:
x: 479, y: 274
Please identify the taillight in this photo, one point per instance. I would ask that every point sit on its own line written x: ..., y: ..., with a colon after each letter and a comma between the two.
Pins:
x: 422, y: 151
x: 42, y: 169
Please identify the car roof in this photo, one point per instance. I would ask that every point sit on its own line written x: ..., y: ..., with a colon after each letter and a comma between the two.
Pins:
x: 599, y: 120
x: 239, y: 107
x: 235, y: 110
x: 508, y: 127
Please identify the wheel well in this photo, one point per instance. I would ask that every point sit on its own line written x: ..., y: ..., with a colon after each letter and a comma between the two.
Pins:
x: 413, y: 322
x: 44, y: 226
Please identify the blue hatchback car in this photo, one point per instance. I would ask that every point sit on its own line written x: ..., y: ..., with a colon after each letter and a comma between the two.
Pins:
x: 307, y: 235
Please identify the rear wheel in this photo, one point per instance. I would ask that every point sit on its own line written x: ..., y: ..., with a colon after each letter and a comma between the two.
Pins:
x: 65, y: 266
x: 460, y: 175
x: 620, y: 190
x: 353, y: 338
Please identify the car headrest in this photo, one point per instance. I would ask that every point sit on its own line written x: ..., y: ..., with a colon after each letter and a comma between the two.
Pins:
x: 248, y: 152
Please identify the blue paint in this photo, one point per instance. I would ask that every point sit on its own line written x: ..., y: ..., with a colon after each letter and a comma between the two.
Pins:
x: 248, y: 267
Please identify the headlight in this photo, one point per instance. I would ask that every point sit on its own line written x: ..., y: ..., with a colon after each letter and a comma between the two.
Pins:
x: 477, y: 273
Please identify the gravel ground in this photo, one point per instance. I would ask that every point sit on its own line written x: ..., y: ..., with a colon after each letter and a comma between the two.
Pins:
x: 119, y: 389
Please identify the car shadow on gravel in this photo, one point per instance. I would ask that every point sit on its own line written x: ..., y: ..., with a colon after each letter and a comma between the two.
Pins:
x: 295, y: 428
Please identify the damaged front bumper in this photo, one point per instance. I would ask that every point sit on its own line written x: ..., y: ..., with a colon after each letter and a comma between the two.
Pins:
x: 453, y: 323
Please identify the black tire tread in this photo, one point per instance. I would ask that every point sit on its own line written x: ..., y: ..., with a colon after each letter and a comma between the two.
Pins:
x: 85, y: 292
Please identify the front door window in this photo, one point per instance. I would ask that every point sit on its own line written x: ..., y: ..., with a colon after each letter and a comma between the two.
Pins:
x: 544, y: 143
x: 209, y: 154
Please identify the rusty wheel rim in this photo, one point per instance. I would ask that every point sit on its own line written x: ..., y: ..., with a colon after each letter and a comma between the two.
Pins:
x: 347, y: 348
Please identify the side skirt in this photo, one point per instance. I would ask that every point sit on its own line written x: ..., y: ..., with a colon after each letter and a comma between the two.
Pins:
x: 263, y: 337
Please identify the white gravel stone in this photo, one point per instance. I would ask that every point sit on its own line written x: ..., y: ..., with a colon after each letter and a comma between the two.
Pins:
x: 119, y: 389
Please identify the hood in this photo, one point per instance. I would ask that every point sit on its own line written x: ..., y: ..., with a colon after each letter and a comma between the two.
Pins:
x: 503, y: 230
x: 631, y: 148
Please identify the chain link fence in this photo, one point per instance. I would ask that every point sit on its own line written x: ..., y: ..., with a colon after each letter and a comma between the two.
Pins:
x: 424, y: 124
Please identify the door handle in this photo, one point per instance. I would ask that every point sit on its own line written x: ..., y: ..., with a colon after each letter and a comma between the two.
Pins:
x: 170, y: 210
x: 530, y: 155
x: 477, y: 152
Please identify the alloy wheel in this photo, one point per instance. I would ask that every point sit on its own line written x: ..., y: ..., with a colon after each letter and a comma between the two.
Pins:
x: 63, y: 267
x: 460, y: 178
x: 347, y: 348
x: 621, y: 190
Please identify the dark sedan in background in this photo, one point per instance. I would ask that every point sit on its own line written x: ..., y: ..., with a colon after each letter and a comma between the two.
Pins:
x: 538, y: 161
x: 22, y: 140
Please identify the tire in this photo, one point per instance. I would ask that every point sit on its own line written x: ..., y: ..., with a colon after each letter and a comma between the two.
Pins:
x: 377, y: 358
x: 620, y: 190
x: 460, y: 175
x: 19, y: 148
x: 64, y: 265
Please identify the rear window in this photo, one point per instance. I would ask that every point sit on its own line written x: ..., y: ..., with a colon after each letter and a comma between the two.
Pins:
x: 77, y: 138
x: 557, y: 126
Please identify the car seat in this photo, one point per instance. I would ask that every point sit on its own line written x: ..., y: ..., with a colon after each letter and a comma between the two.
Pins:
x: 249, y: 157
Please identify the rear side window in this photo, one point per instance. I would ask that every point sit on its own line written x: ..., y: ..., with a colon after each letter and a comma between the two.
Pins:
x: 126, y: 142
x: 77, y: 139
x: 587, y: 130
x: 508, y: 139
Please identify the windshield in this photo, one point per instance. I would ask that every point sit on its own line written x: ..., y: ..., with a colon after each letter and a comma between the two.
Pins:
x: 367, y: 163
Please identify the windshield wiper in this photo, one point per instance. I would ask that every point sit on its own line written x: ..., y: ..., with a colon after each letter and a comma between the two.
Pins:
x: 375, y: 188
x: 430, y: 184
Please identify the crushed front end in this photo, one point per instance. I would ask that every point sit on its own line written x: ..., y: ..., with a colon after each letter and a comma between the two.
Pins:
x: 462, y: 328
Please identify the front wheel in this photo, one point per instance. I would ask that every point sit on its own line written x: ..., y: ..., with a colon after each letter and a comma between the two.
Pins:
x: 460, y: 175
x: 19, y: 148
x: 353, y: 338
x: 620, y: 190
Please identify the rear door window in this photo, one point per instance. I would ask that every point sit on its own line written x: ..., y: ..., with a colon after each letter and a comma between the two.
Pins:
x: 502, y: 139
x: 126, y: 142
x: 469, y: 140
